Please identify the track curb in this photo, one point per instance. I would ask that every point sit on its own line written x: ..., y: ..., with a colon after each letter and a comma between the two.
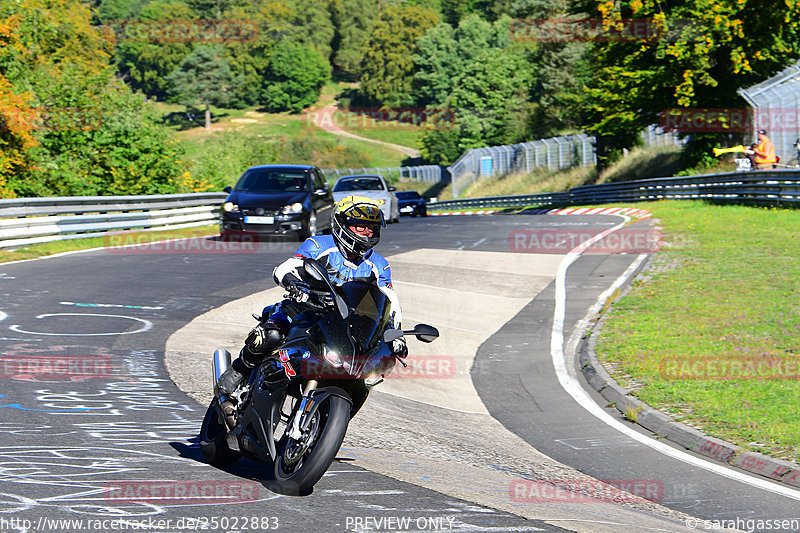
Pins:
x: 664, y: 426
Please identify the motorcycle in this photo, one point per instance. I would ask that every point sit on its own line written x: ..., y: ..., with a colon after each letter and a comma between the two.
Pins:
x: 294, y: 409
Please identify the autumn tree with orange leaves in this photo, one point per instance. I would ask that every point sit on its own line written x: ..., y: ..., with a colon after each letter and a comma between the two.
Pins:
x: 696, y: 55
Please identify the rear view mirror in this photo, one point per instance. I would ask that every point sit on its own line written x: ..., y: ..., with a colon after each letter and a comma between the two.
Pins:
x: 315, y: 270
x: 424, y: 332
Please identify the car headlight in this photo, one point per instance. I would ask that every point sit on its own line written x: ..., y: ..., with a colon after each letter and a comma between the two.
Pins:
x: 230, y: 207
x: 293, y: 208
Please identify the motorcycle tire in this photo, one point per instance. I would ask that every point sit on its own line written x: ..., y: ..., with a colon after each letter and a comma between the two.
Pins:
x: 328, y: 431
x: 213, y: 444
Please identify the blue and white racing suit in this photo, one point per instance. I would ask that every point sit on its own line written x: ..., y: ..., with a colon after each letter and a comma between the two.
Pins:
x: 373, y: 267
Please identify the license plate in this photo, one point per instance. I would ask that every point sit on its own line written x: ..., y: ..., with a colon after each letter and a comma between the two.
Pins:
x: 406, y: 209
x: 259, y: 220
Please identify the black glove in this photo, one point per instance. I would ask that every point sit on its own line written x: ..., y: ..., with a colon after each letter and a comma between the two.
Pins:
x: 299, y: 291
x: 399, y: 348
x: 323, y: 299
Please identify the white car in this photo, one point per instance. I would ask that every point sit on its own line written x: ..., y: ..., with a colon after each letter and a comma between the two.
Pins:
x: 373, y: 187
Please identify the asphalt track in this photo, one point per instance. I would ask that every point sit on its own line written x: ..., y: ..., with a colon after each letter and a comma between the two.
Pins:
x: 75, y: 441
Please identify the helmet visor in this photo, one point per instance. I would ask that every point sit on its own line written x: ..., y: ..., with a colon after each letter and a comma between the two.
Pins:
x: 363, y: 214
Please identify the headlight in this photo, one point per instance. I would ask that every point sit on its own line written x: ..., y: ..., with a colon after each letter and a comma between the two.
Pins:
x: 332, y: 357
x: 230, y: 207
x: 294, y: 208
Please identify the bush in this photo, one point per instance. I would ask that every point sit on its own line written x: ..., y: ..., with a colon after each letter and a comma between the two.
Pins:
x: 295, y: 76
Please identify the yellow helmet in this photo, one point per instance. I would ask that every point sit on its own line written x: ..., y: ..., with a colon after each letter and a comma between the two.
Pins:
x: 356, y: 211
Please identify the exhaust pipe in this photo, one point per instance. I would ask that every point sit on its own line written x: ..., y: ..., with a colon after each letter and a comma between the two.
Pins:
x: 219, y: 364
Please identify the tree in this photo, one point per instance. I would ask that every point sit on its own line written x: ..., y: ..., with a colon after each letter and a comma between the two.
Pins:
x: 387, y: 67
x: 702, y: 51
x: 147, y: 52
x: 203, y: 78
x: 90, y: 133
x: 478, y: 81
x: 16, y: 135
x: 294, y: 78
x: 354, y: 21
x: 311, y: 24
x: 492, y: 89
x: 443, y: 52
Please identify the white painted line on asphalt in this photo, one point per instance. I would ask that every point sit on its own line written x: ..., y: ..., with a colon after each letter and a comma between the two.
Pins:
x: 571, y: 385
x: 146, y: 326
x: 3, y: 316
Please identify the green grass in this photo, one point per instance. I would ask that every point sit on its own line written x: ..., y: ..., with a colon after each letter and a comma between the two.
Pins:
x: 34, y: 251
x: 725, y: 289
x: 239, y: 138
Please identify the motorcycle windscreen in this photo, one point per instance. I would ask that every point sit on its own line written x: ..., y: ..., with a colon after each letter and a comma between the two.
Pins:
x: 370, y: 313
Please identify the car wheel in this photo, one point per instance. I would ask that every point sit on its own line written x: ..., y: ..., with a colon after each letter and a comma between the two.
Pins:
x: 310, y: 230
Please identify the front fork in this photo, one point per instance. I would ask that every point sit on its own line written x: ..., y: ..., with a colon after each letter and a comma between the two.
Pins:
x: 301, y: 418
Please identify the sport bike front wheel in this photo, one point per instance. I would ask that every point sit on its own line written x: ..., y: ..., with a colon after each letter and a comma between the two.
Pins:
x: 301, y: 463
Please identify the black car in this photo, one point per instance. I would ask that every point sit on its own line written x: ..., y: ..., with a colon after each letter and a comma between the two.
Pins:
x: 277, y: 200
x: 411, y: 203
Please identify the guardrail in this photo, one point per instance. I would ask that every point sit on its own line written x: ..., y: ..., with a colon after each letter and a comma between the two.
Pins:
x: 26, y: 221
x: 762, y: 187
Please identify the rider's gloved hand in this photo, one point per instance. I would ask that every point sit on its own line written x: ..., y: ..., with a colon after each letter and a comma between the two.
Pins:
x: 299, y: 291
x: 399, y: 348
x: 325, y: 299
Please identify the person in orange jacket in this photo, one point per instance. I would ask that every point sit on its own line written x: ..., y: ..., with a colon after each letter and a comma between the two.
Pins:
x: 762, y: 156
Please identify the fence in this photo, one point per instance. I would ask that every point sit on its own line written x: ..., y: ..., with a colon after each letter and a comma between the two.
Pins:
x: 423, y: 173
x: 764, y: 187
x: 555, y: 153
x: 26, y: 221
x: 655, y: 136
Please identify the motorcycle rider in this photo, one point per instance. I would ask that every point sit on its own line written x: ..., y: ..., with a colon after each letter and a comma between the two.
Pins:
x: 347, y: 255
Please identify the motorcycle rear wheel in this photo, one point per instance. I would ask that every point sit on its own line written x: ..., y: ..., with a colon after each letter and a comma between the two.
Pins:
x: 213, y: 444
x: 296, y: 474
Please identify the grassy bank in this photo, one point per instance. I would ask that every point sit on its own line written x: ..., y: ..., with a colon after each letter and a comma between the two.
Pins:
x: 643, y: 162
x: 240, y: 138
x: 34, y: 251
x: 711, y: 335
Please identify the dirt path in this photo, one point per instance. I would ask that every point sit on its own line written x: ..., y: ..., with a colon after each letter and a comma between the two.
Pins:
x: 324, y: 119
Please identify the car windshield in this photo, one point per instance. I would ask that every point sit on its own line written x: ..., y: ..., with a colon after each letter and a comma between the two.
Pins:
x: 263, y: 180
x: 359, y: 184
x: 408, y: 195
